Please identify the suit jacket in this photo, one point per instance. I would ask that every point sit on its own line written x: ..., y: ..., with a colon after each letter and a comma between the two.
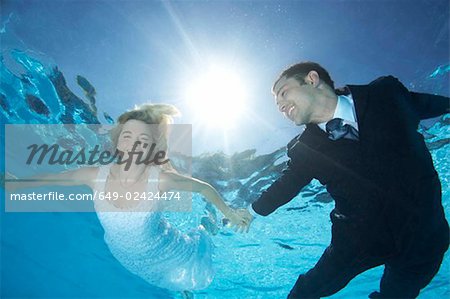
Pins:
x: 386, y: 190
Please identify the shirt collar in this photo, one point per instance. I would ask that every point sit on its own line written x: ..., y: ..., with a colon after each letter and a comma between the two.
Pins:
x: 345, y: 109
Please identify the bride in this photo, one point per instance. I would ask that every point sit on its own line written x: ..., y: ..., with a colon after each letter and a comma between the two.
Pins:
x: 136, y: 232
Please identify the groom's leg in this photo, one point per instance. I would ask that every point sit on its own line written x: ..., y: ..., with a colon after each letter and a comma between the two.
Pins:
x: 332, y: 272
x: 405, y: 275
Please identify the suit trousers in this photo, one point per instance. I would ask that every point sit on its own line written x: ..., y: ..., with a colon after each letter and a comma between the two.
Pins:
x: 404, y: 274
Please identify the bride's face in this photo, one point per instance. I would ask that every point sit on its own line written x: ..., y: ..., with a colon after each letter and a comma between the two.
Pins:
x: 135, y: 132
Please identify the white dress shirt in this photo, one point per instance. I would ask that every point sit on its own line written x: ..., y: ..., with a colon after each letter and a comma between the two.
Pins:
x: 345, y: 109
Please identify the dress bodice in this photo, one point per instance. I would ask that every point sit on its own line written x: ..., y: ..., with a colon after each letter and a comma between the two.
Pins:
x: 147, y: 245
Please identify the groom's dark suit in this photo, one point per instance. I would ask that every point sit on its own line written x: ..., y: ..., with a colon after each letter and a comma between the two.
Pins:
x: 387, y: 193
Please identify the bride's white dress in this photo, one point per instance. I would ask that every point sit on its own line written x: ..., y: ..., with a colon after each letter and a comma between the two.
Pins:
x: 148, y: 246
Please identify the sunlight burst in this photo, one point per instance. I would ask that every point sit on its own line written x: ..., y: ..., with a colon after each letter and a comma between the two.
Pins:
x: 217, y: 97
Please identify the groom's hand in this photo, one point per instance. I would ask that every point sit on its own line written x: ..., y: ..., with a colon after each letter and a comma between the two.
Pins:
x: 248, y: 218
x: 239, y: 219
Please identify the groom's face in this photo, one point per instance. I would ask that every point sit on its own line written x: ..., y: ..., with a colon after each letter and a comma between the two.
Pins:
x: 294, y: 99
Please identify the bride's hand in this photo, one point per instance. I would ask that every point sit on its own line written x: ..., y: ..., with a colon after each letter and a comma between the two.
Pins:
x: 7, y: 176
x: 240, y: 219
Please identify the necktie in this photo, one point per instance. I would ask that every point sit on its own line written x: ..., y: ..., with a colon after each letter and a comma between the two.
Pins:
x: 337, y: 130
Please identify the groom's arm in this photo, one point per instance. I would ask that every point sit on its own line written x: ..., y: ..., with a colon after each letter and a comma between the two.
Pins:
x: 428, y: 105
x: 423, y: 104
x: 279, y: 193
x: 283, y: 190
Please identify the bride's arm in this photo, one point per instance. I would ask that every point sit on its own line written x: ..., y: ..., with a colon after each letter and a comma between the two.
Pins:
x: 81, y: 176
x: 173, y: 181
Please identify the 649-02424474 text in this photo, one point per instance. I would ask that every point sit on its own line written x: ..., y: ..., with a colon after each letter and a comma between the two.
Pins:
x: 58, y: 196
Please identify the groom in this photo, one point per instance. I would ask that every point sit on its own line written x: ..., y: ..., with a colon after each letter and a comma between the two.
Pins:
x: 362, y: 143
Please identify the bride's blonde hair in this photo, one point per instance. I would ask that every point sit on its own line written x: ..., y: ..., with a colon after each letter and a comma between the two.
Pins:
x: 153, y: 114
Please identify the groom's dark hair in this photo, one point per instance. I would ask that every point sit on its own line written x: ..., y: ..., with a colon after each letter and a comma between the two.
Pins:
x: 300, y: 70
